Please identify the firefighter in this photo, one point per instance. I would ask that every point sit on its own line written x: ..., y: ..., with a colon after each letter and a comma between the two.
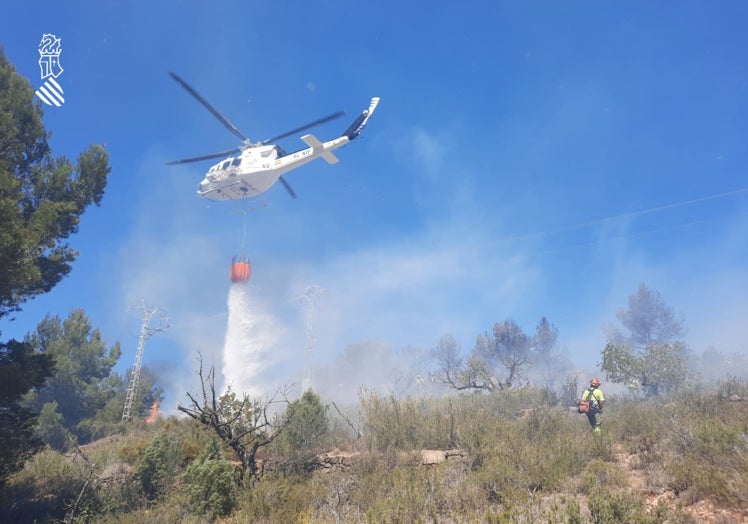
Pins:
x: 595, y: 397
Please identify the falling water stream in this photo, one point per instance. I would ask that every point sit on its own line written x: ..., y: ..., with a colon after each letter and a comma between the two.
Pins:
x: 251, y: 343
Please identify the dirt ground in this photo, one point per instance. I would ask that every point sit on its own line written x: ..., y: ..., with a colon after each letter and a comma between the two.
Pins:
x: 649, y: 483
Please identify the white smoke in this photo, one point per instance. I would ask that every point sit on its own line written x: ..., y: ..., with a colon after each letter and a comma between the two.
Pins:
x: 252, y: 344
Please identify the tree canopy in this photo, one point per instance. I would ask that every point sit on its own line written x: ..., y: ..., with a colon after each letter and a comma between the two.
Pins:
x: 305, y: 424
x: 82, y: 383
x: 657, y: 369
x: 41, y: 200
x: 648, y: 319
x: 498, y: 360
x: 41, y: 197
x: 20, y: 370
x: 648, y: 357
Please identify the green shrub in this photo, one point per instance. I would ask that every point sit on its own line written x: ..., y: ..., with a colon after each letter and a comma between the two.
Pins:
x: 537, y: 508
x: 601, y: 475
x: 391, y: 423
x: 133, y: 448
x: 51, y: 429
x: 305, y: 426
x: 405, y: 494
x: 44, y: 489
x: 280, y: 498
x: 540, y: 453
x: 210, y: 480
x: 614, y: 507
x: 630, y: 419
x: 521, y: 462
x: 712, y: 460
x: 161, y: 459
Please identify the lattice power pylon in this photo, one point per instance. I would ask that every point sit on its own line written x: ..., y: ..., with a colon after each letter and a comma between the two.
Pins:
x: 310, y: 298
x: 145, y: 333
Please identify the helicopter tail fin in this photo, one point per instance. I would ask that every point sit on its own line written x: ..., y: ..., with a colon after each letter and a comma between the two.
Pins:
x: 358, y: 125
x: 318, y: 147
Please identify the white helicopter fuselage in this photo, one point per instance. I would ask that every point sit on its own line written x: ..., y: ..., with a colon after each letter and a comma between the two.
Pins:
x: 255, y: 168
x: 258, y: 168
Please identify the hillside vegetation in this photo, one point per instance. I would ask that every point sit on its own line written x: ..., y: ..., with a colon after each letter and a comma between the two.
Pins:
x: 476, y: 444
x: 511, y: 456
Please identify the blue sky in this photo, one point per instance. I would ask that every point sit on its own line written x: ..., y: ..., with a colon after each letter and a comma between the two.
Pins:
x: 528, y: 159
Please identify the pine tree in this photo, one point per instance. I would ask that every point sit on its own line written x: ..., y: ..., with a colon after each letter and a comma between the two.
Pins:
x: 41, y: 197
x: 41, y: 201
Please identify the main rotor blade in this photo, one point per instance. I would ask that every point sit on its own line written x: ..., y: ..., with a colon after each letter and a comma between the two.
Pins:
x: 225, y: 121
x: 307, y: 126
x: 205, y: 157
x: 288, y: 187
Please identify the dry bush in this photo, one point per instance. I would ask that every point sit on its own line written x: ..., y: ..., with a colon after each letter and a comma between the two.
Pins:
x: 413, y: 493
x: 399, y: 424
x: 630, y: 420
x: 278, y: 498
x: 618, y: 507
x: 522, y: 461
x: 413, y: 423
x: 600, y: 475
x: 43, y: 488
x: 712, y: 460
x: 539, y: 508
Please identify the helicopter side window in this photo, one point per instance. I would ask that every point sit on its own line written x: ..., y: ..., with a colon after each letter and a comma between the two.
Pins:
x: 280, y: 151
x: 226, y: 164
x: 236, y: 161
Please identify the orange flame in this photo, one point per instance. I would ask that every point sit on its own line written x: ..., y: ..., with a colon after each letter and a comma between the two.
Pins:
x: 154, y: 414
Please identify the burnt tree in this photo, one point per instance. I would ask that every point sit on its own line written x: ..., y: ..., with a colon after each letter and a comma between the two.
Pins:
x: 242, y: 424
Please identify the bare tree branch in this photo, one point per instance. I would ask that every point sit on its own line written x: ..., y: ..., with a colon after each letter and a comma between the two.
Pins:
x: 70, y: 516
x: 497, y: 361
x: 242, y: 425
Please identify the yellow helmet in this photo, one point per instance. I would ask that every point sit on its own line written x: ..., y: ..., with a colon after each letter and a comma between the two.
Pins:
x: 595, y: 382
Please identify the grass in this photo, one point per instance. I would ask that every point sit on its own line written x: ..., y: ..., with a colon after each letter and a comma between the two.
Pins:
x: 522, y: 460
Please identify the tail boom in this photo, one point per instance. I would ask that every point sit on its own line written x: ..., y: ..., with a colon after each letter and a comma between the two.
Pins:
x: 318, y: 147
x: 358, y: 125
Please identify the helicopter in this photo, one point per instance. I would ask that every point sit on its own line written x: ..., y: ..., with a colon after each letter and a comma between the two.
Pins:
x: 254, y: 167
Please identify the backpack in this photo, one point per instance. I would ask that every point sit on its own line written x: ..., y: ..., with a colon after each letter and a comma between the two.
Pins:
x: 585, y: 406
